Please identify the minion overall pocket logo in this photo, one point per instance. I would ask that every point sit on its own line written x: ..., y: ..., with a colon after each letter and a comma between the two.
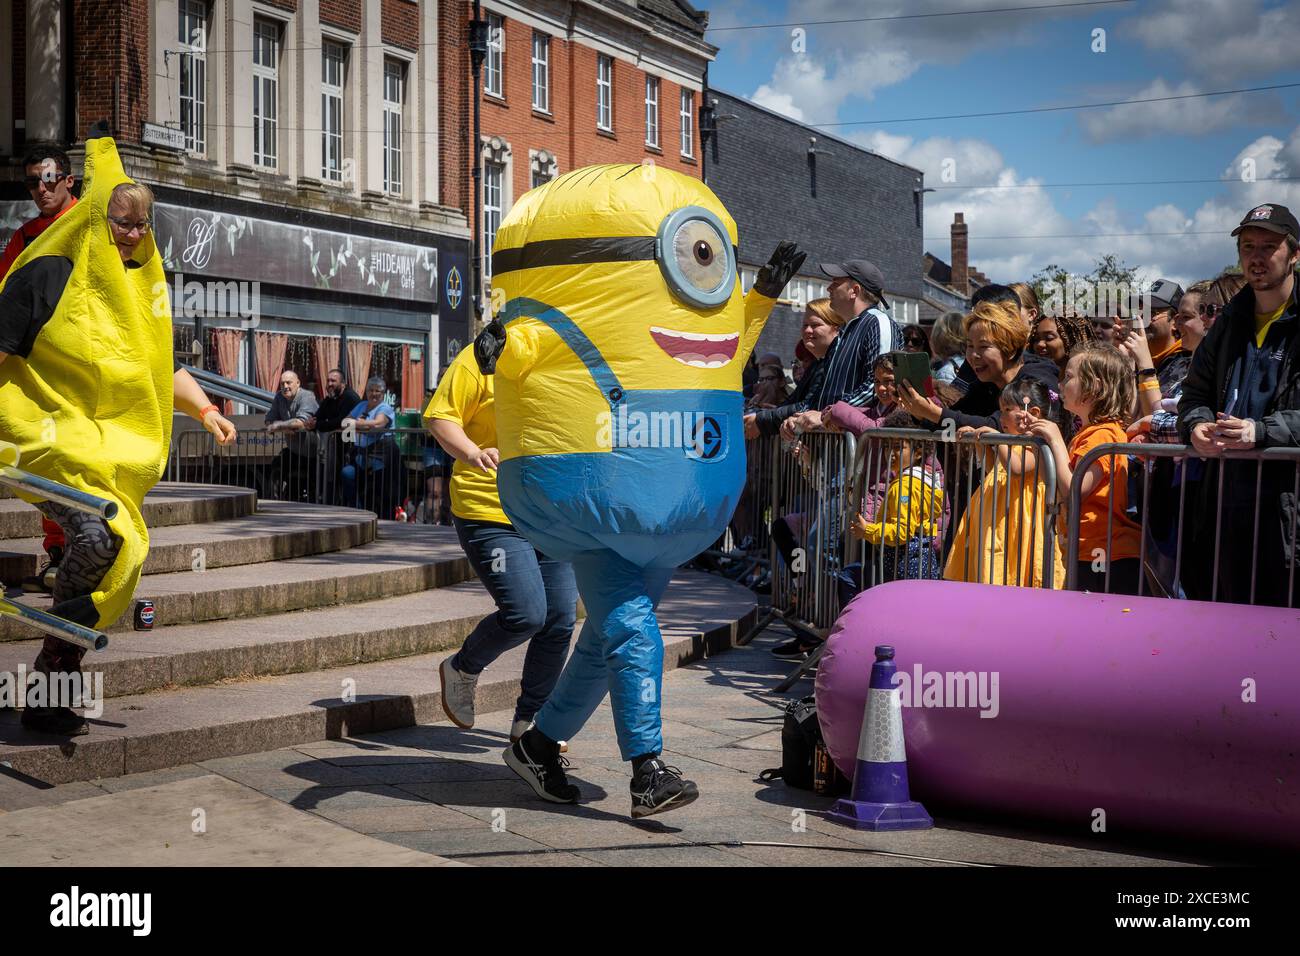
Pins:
x: 708, y: 439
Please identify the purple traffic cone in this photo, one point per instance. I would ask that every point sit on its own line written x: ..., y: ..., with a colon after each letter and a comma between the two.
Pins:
x: 880, y: 800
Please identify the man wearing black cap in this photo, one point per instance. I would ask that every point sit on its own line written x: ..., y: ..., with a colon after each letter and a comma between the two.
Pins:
x: 857, y: 294
x: 1243, y: 392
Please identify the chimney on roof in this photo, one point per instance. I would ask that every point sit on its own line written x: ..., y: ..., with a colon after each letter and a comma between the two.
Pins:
x: 960, y: 267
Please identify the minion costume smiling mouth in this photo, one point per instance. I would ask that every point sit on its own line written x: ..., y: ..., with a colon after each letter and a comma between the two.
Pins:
x: 623, y: 311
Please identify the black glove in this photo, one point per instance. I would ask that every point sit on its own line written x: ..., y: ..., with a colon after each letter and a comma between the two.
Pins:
x: 780, y: 269
x: 489, y: 345
x: 98, y: 130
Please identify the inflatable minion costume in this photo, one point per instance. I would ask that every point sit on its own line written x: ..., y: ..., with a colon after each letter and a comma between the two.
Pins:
x: 618, y: 356
x: 86, y: 396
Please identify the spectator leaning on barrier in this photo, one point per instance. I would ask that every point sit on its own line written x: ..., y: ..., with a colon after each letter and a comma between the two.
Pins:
x: 292, y: 406
x: 1243, y: 392
x: 857, y: 294
x: 819, y: 337
x: 337, y: 404
x: 1098, y: 388
x: 1200, y: 307
x: 965, y: 380
x: 294, y: 471
x: 996, y: 340
x: 376, y: 461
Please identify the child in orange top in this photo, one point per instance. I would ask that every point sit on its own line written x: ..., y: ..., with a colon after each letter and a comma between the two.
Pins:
x: 1098, y: 387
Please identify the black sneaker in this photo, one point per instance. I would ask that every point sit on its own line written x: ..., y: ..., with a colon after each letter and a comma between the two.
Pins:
x: 657, y: 787
x: 793, y: 649
x: 55, y: 720
x: 541, y: 767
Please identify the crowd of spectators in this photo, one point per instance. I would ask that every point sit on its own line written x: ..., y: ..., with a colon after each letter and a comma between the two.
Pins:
x: 1215, y: 367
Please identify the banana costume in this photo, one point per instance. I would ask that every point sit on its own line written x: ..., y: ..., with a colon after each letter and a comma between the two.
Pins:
x: 619, y: 410
x: 86, y: 393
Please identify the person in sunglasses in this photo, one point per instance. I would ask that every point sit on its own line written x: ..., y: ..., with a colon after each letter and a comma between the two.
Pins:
x: 1198, y: 309
x: 88, y: 386
x: 915, y: 339
x: 49, y: 180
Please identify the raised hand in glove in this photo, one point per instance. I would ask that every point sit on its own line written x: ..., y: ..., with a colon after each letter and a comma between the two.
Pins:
x: 488, y: 346
x: 780, y: 269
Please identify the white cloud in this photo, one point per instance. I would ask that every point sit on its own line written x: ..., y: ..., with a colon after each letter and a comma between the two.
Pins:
x: 1162, y: 240
x: 1221, y: 39
x: 1186, y: 117
x: 812, y: 89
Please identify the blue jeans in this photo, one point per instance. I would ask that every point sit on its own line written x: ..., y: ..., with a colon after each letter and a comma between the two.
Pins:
x: 536, y: 601
x: 620, y: 652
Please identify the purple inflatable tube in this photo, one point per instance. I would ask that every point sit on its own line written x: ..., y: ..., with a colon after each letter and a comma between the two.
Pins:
x: 1170, y: 717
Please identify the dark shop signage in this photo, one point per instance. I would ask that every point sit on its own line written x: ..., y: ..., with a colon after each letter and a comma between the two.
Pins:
x: 203, y: 242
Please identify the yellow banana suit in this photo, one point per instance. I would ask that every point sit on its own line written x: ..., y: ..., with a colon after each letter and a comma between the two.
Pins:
x: 86, y: 392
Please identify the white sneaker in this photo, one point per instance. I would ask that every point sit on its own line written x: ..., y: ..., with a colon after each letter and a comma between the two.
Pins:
x: 458, y: 695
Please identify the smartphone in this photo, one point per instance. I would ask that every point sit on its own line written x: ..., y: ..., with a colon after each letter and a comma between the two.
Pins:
x: 914, y: 369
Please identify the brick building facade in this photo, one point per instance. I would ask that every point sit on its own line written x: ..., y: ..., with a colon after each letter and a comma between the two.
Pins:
x: 309, y: 161
x: 567, y: 85
x: 784, y: 180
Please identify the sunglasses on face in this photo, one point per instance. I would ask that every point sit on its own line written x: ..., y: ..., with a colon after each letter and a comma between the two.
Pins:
x: 768, y: 378
x: 48, y: 178
x: 1209, y: 310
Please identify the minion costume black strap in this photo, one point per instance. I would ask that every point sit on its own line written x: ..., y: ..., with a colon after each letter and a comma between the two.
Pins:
x: 572, y: 252
x: 573, y: 337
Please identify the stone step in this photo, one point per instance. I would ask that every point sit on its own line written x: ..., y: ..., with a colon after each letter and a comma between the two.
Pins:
x: 169, y: 504
x: 137, y: 662
x: 405, y: 559
x: 699, y: 615
x: 279, y: 530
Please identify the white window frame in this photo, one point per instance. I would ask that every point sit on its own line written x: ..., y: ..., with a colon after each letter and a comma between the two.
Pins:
x: 541, y: 172
x: 605, y: 92
x: 652, y: 111
x: 266, y: 92
x: 541, y: 72
x: 687, y: 114
x: 394, y: 70
x: 494, y: 65
x: 494, y: 176
x: 332, y: 108
x: 192, y: 24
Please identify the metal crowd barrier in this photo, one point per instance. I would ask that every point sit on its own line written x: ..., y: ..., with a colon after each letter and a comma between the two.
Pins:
x: 810, y: 485
x: 1192, y: 553
x: 48, y: 490
x: 991, y: 498
x: 384, y: 472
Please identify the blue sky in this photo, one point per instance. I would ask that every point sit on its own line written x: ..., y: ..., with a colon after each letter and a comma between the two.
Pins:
x: 986, y: 62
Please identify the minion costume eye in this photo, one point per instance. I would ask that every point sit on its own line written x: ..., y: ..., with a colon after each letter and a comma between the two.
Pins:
x: 697, y: 261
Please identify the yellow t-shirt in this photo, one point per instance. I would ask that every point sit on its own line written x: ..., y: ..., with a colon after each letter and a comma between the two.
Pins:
x: 464, y: 396
x: 1265, y: 319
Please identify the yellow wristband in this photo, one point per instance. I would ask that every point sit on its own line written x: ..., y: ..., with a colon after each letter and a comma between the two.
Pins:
x: 1149, y: 384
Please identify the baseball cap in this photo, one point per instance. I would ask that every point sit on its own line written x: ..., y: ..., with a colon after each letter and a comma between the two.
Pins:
x: 863, y: 273
x: 1272, y: 217
x: 1165, y: 294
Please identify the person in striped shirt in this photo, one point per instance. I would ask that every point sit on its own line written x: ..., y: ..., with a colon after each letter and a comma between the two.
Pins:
x: 857, y: 293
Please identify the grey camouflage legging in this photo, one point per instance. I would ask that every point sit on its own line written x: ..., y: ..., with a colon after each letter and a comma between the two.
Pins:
x: 90, y: 551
